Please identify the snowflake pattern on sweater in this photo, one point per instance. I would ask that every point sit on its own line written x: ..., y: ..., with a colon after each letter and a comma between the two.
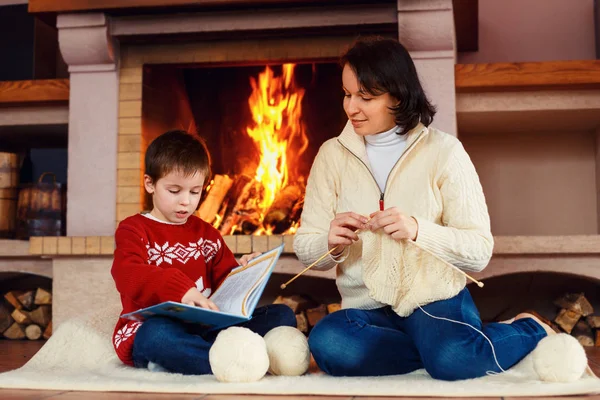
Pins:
x: 126, y: 332
x: 157, y: 262
x: 158, y: 253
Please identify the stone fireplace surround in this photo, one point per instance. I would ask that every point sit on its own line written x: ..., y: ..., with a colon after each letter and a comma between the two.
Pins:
x: 106, y: 58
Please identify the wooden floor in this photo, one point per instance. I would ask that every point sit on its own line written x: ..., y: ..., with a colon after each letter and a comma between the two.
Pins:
x: 16, y: 353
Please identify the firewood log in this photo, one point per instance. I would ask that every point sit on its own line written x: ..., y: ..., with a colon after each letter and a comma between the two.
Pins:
x: 41, y: 316
x: 21, y: 317
x: 14, y: 332
x: 567, y: 319
x: 593, y: 321
x: 42, y: 297
x: 575, y: 302
x: 5, y: 319
x: 581, y: 327
x: 11, y: 297
x: 27, y: 299
x: 301, y: 322
x: 296, y: 302
x: 314, y: 315
x: 48, y: 331
x: 33, y: 332
x: 584, y: 340
x: 583, y: 333
x: 249, y: 222
x: 236, y: 197
x: 280, y: 211
x: 245, y: 215
x: 297, y: 210
x: 333, y: 307
x: 211, y: 205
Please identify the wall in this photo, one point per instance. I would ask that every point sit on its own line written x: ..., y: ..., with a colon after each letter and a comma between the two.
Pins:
x: 533, y: 30
x: 540, y: 183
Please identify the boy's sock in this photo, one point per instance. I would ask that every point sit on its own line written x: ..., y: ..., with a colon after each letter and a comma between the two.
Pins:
x: 156, y: 368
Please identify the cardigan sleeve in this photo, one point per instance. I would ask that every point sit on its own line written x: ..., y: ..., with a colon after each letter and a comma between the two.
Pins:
x: 464, y: 239
x: 320, y: 203
x: 143, y: 283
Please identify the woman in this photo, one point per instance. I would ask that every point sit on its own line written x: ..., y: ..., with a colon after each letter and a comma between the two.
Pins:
x: 398, y: 201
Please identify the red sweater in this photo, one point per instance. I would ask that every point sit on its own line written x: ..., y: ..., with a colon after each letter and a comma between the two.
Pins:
x: 156, y: 262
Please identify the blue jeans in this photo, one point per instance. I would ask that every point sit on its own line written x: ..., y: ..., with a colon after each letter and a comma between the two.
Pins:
x: 353, y: 342
x: 183, y: 348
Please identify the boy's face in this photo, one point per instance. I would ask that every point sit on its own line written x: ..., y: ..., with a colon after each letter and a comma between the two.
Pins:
x: 175, y: 196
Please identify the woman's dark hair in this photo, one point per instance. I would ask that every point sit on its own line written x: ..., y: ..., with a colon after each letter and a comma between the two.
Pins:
x: 177, y: 150
x: 384, y: 66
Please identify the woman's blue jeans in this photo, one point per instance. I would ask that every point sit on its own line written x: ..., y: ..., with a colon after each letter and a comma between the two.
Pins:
x: 183, y: 348
x: 353, y: 342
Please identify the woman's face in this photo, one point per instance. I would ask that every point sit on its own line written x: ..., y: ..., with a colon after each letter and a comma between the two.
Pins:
x: 369, y: 114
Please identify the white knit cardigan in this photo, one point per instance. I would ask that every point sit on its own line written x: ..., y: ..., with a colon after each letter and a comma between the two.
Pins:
x: 434, y: 181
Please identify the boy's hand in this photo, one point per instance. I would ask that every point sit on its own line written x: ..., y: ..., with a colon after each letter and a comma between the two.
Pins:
x: 194, y: 298
x: 247, y: 257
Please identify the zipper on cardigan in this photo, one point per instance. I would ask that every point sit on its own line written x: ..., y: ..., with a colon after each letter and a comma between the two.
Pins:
x: 366, y: 166
x: 381, y: 193
x: 408, y: 150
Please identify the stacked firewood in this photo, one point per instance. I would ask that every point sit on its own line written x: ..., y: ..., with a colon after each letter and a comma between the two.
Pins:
x: 307, y: 313
x: 575, y: 316
x: 233, y: 206
x: 26, y: 315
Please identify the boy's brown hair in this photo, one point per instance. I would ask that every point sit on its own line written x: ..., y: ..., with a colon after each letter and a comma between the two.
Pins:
x: 177, y: 150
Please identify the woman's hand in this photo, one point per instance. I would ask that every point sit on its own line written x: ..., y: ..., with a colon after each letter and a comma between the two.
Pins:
x: 396, y: 224
x: 194, y: 298
x: 247, y: 257
x: 342, y: 230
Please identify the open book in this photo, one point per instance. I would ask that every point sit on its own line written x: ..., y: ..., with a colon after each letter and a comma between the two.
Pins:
x: 236, y: 297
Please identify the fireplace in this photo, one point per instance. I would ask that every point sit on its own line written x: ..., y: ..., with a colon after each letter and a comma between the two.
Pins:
x: 263, y: 125
x: 116, y: 53
x: 137, y: 71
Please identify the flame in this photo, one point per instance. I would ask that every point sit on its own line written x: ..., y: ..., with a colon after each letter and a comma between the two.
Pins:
x: 275, y: 104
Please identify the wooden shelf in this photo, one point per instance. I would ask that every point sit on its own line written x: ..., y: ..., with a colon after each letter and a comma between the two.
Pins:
x: 34, y: 92
x: 57, y: 6
x: 33, y: 113
x: 558, y: 96
x: 551, y: 75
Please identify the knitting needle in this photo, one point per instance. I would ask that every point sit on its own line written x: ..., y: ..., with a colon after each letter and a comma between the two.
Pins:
x: 284, y: 285
x: 478, y: 283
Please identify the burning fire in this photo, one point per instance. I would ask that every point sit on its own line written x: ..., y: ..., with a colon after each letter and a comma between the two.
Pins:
x: 276, y: 109
x: 270, y: 199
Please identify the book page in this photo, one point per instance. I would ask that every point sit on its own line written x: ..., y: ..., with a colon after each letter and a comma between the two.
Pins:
x: 234, y: 293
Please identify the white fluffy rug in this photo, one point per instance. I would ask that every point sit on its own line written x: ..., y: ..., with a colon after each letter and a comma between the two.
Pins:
x: 79, y: 356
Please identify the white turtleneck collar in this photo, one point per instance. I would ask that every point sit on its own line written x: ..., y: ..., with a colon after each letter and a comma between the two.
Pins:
x: 387, y: 138
x: 383, y: 150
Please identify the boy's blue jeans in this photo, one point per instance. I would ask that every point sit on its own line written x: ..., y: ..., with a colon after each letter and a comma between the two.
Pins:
x: 353, y: 342
x: 183, y: 348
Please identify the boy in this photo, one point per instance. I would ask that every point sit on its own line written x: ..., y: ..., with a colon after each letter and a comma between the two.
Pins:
x: 171, y: 255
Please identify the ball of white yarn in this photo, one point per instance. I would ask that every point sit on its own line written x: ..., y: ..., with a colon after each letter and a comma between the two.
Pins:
x: 238, y: 355
x: 559, y: 358
x: 288, y: 351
